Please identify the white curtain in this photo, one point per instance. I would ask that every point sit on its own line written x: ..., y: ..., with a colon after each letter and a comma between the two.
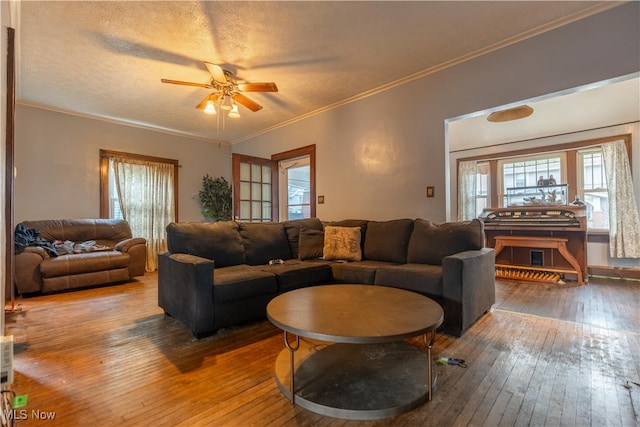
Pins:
x: 145, y: 191
x: 467, y: 190
x: 624, y: 223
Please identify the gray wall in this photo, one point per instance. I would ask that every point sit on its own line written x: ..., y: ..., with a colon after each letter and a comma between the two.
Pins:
x: 377, y: 155
x: 57, y: 160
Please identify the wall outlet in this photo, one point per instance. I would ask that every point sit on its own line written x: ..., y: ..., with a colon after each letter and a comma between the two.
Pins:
x: 6, y: 359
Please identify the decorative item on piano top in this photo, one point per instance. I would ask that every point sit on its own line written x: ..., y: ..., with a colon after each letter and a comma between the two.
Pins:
x: 538, y: 195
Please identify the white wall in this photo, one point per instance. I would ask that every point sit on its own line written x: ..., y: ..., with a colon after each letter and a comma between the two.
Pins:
x: 376, y: 156
x: 57, y: 158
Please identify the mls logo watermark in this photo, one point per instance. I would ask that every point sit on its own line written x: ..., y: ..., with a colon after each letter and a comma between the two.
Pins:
x: 24, y: 414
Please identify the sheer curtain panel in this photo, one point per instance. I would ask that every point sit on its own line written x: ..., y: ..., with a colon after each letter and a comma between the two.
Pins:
x: 145, y: 191
x: 467, y: 190
x: 624, y: 222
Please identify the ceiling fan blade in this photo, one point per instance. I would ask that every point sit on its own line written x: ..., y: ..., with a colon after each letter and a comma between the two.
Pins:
x: 249, y: 103
x: 216, y: 72
x: 203, y: 103
x: 258, y: 87
x: 178, y: 82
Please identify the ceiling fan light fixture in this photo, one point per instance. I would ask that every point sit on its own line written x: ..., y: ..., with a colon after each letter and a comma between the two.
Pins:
x: 210, y: 107
x: 510, y: 114
x: 226, y: 103
x: 234, y: 113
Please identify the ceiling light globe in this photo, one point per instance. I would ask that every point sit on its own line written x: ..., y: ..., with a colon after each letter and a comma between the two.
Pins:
x: 234, y: 113
x: 209, y: 107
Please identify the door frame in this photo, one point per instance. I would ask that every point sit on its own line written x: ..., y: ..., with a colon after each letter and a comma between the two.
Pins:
x: 309, y: 150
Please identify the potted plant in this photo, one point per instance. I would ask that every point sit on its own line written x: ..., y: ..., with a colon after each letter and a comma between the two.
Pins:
x: 215, y: 199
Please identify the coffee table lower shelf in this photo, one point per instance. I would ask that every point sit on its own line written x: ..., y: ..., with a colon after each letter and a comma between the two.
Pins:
x: 356, y: 381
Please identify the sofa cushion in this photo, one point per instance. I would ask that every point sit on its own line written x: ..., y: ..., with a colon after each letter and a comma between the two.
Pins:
x: 240, y: 282
x: 294, y: 274
x: 363, y: 272
x: 90, y: 262
x: 218, y: 241
x: 388, y: 240
x: 264, y: 241
x: 431, y: 242
x: 422, y: 278
x: 311, y: 243
x: 342, y: 243
x: 293, y: 227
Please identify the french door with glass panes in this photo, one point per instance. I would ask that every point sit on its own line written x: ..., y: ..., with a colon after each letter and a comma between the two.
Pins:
x: 255, y: 188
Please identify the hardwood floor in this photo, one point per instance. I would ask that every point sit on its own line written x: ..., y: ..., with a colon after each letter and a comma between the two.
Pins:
x: 545, y: 355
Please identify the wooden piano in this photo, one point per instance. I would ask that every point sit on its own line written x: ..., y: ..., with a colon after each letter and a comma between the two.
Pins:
x: 538, y: 243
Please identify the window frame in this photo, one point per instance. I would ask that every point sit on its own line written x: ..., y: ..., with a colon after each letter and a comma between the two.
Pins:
x: 105, y: 206
x: 310, y: 151
x: 571, y: 151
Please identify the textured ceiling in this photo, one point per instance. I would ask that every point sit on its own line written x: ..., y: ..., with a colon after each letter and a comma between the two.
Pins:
x: 106, y: 59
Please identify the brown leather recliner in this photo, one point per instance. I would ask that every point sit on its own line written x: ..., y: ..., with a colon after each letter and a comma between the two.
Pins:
x: 117, y: 256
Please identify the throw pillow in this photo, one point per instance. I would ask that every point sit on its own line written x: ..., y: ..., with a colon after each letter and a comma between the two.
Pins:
x: 342, y: 243
x: 310, y: 244
x: 293, y: 227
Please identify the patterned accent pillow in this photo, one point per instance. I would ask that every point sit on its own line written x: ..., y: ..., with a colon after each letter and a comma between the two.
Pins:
x: 342, y: 243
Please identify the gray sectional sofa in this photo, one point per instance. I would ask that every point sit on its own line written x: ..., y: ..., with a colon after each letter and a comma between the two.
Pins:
x: 216, y: 275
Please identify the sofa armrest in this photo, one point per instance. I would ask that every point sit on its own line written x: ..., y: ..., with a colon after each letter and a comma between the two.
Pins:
x: 27, y: 275
x: 136, y: 247
x: 468, y: 288
x: 126, y: 244
x: 185, y: 290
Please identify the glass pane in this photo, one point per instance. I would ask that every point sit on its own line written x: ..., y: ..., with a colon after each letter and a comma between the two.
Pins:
x: 481, y: 204
x: 256, y: 210
x: 245, y: 172
x: 255, y: 173
x: 266, y: 174
x: 266, y: 192
x: 245, y: 191
x: 597, y: 209
x: 266, y: 211
x: 593, y: 171
x: 256, y: 191
x: 245, y: 211
x: 533, y: 172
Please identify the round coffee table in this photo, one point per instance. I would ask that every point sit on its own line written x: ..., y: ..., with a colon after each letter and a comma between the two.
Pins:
x: 369, y: 372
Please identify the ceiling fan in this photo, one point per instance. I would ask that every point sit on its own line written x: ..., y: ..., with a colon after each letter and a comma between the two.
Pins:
x: 226, y: 91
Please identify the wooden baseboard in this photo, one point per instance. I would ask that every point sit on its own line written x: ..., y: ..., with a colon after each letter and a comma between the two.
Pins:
x: 617, y: 272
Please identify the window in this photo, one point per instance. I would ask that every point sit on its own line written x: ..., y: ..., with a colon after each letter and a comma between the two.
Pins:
x: 143, y: 191
x: 114, y: 201
x: 593, y: 188
x: 482, y: 186
x: 528, y: 171
x: 579, y: 165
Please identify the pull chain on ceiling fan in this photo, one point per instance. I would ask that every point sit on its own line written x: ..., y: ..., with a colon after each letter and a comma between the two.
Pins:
x: 226, y: 91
